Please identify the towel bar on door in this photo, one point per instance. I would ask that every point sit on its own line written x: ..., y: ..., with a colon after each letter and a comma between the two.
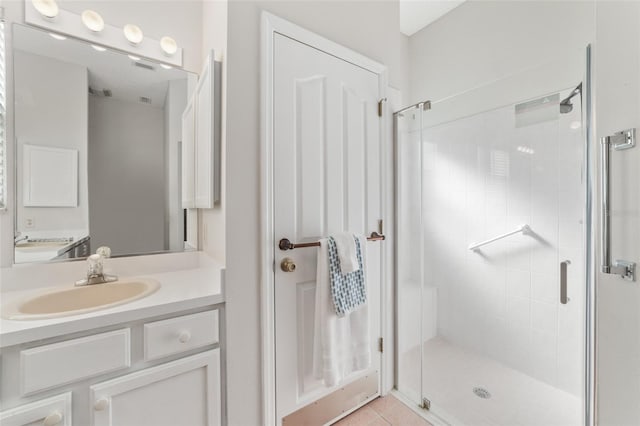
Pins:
x: 285, y: 244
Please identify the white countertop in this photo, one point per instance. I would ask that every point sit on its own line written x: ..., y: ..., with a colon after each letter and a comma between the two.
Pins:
x: 180, y: 290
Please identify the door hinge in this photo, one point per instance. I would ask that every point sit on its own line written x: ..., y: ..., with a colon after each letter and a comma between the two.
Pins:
x: 380, y: 344
x: 380, y: 103
x: 426, y: 404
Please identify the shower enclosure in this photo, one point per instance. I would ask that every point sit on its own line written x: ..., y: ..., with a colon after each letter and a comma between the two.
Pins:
x: 491, y: 285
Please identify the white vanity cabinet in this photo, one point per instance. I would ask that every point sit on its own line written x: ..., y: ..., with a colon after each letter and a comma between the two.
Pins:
x: 160, y: 371
x: 182, y: 392
x: 54, y: 411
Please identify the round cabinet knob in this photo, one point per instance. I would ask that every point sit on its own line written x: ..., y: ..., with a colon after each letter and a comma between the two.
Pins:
x: 53, y: 419
x: 288, y: 265
x: 184, y: 336
x: 101, y: 404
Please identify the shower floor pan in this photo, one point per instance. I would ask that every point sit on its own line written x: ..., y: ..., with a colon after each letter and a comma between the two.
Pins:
x: 469, y: 389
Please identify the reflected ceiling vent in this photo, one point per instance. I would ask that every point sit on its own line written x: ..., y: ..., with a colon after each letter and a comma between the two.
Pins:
x: 143, y: 66
x: 103, y: 93
x: 145, y: 100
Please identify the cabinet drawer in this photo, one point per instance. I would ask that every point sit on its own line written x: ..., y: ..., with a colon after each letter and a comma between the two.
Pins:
x: 174, y: 335
x: 53, y: 365
x: 54, y: 411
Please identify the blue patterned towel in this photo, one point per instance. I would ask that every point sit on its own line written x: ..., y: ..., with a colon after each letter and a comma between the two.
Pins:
x: 348, y: 291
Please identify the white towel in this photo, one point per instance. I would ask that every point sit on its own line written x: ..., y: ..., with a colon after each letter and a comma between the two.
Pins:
x: 341, y: 345
x: 346, y: 245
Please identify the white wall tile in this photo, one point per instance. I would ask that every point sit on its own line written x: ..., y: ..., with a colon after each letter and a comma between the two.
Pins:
x: 544, y: 260
x: 518, y: 350
x: 518, y: 310
x: 518, y: 283
x: 544, y: 317
x: 545, y: 287
x: 544, y: 357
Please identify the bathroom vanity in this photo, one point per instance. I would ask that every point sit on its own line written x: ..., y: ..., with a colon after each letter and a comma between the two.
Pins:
x: 155, y: 360
x: 95, y: 149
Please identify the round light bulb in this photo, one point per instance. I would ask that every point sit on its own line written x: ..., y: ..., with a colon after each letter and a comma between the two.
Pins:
x: 168, y: 45
x: 46, y: 8
x: 133, y: 33
x: 92, y: 20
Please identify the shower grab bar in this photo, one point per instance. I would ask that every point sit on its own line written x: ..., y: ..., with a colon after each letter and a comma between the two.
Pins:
x: 286, y: 244
x: 525, y: 229
x: 618, y: 141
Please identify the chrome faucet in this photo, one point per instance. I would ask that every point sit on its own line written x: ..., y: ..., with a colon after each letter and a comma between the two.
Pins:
x: 95, y: 270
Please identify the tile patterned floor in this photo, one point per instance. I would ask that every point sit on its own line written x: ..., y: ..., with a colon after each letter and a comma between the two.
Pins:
x: 383, y: 411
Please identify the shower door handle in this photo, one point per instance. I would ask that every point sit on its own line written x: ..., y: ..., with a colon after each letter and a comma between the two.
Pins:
x: 564, y: 299
x: 618, y: 141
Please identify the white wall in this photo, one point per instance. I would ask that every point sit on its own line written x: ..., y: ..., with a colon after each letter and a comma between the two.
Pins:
x: 370, y: 28
x: 174, y: 105
x: 42, y: 86
x: 214, y: 36
x: 126, y: 144
x: 617, y: 108
x: 482, y: 41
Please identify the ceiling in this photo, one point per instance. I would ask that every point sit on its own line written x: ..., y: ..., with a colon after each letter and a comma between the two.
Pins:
x: 107, y: 70
x: 417, y: 14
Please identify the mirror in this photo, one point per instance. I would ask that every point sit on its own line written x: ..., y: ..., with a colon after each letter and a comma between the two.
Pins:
x: 98, y: 143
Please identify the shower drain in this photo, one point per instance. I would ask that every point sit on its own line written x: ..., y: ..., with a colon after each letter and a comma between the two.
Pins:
x: 482, y: 393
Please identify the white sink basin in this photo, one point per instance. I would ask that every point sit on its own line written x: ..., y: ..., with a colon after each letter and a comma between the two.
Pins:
x: 78, y: 300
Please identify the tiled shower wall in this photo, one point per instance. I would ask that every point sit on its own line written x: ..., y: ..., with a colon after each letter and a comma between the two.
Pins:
x: 483, y: 176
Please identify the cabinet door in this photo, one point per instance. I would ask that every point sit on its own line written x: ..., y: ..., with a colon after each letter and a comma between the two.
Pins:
x: 207, y: 146
x: 185, y: 392
x: 54, y: 411
x: 188, y: 155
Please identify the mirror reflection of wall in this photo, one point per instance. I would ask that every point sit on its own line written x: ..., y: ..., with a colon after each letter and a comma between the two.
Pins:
x: 121, y: 118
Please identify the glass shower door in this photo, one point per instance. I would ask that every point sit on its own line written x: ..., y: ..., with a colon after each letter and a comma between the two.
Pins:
x: 491, y: 214
x: 409, y: 254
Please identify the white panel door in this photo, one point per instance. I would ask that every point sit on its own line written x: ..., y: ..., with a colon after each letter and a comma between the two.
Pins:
x: 185, y: 392
x: 326, y: 180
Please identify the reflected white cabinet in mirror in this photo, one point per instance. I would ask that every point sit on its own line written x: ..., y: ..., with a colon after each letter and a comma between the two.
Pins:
x: 201, y: 141
x: 188, y: 155
x: 122, y: 116
x: 207, y: 187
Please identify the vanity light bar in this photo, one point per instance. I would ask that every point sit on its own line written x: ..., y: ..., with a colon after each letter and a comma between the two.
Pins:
x: 90, y: 26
